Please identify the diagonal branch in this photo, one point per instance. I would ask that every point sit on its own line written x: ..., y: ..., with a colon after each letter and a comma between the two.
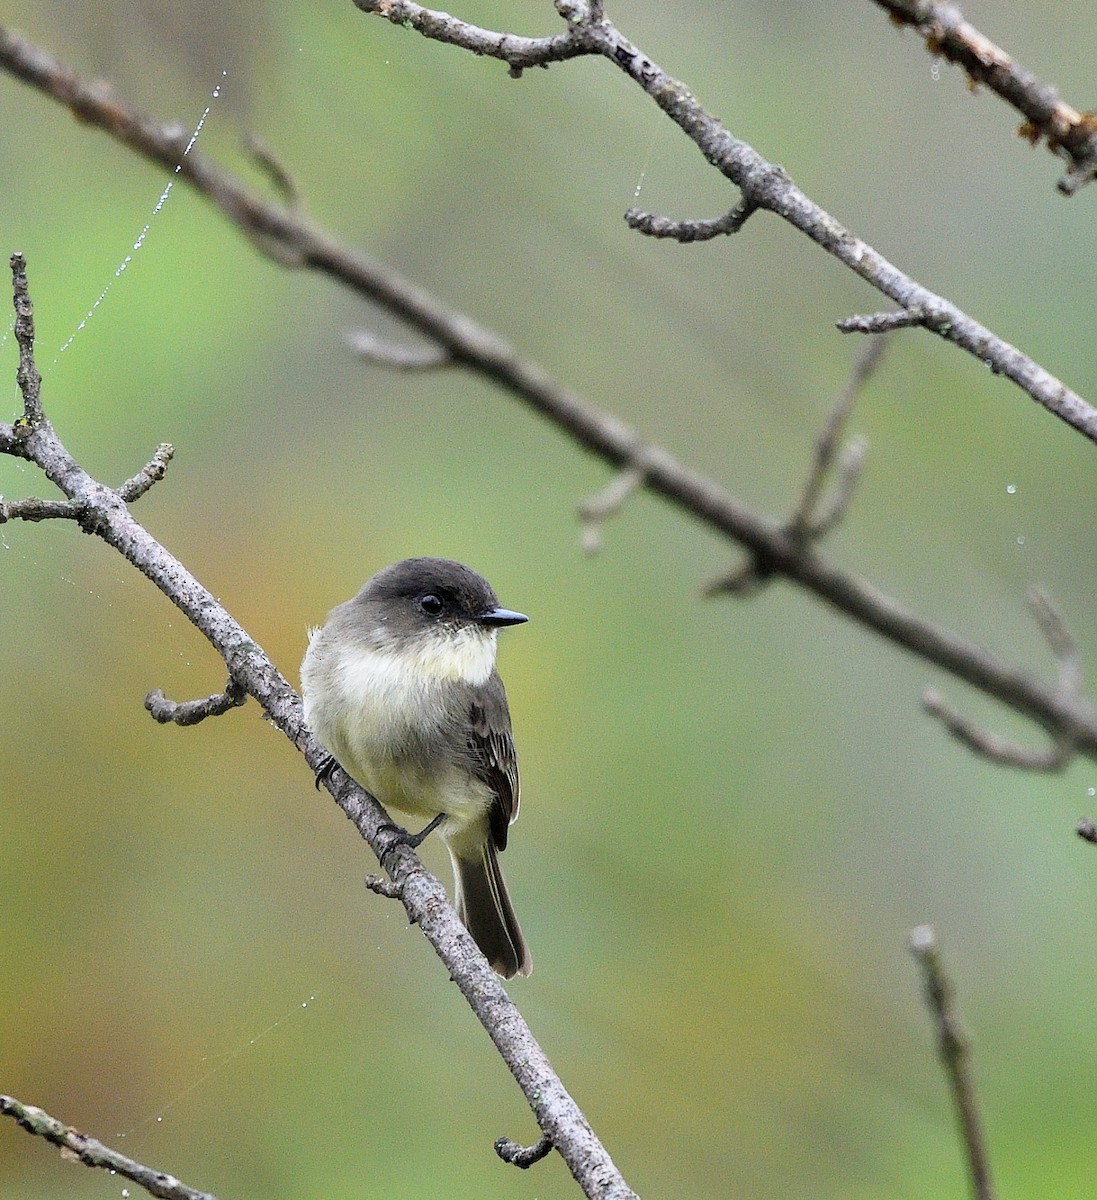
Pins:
x: 765, y: 185
x: 107, y: 515
x: 1069, y: 133
x: 93, y: 1153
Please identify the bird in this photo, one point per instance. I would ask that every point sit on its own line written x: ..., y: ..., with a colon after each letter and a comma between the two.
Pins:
x: 401, y: 689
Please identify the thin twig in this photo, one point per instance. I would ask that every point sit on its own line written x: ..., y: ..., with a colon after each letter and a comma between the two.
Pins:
x: 191, y: 712
x: 657, y: 226
x: 398, y: 358
x: 274, y: 169
x: 955, y: 1057
x: 152, y: 472
x: 987, y: 744
x: 812, y: 520
x: 882, y: 322
x: 27, y: 375
x: 806, y: 518
x: 34, y: 509
x: 595, y: 510
x: 847, y: 475
x: 92, y: 1153
x: 1056, y: 756
x: 383, y: 887
x: 1069, y: 133
x: 523, y: 1156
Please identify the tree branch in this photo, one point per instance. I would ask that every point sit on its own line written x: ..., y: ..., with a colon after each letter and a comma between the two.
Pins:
x: 105, y: 514
x: 290, y: 239
x: 955, y: 1057
x: 1069, y: 133
x: 1056, y: 756
x: 191, y: 712
x: 92, y: 1153
x: 764, y: 185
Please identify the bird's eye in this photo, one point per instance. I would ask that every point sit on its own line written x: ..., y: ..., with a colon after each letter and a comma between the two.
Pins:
x: 431, y: 604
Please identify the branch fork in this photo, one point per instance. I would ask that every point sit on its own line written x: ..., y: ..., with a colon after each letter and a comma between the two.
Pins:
x: 1059, y: 753
x: 816, y: 513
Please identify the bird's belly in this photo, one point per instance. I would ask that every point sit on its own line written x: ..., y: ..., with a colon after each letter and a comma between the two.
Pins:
x: 422, y: 790
x: 378, y: 737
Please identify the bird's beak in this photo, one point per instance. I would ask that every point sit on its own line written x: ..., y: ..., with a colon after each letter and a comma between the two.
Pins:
x: 500, y: 616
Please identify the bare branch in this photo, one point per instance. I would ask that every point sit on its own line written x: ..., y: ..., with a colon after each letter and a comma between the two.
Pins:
x: 812, y: 520
x: 690, y: 231
x: 523, y: 1156
x: 767, y: 185
x: 275, y: 170
x: 601, y: 433
x: 847, y: 476
x: 1058, y: 755
x: 33, y: 509
x: 955, y: 1057
x: 1059, y: 638
x: 517, y: 52
x: 1069, y: 133
x: 806, y: 519
x: 191, y: 712
x: 882, y: 322
x: 384, y: 887
x: 398, y: 358
x: 596, y: 510
x: 152, y: 472
x: 287, y: 237
x: 27, y: 376
x: 79, y: 1147
x: 983, y: 742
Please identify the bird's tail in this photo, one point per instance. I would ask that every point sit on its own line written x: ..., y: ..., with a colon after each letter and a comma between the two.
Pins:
x: 482, y: 903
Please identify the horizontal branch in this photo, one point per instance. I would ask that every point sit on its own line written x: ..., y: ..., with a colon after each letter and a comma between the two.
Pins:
x: 1069, y: 133
x: 766, y: 185
x: 93, y: 1153
x: 192, y: 712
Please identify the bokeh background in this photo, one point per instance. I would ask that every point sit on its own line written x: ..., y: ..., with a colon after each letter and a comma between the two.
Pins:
x: 733, y: 811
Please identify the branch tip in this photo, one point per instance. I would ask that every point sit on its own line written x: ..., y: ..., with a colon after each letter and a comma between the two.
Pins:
x: 520, y: 1156
x: 1068, y: 132
x: 33, y: 509
x: 79, y: 1147
x: 275, y: 170
x: 1086, y: 829
x: 191, y: 712
x: 594, y: 511
x: 388, y: 888
x: 885, y: 322
x: 955, y: 1053
x: 398, y: 358
x: 655, y: 226
x: 27, y: 375
x: 152, y: 472
x: 983, y: 742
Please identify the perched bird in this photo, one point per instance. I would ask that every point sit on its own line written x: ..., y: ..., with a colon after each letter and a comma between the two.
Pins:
x: 400, y: 687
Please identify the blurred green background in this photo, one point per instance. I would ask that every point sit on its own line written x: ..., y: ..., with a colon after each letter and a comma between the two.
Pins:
x: 733, y: 811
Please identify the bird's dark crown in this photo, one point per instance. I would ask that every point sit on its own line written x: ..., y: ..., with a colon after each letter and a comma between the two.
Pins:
x: 460, y: 590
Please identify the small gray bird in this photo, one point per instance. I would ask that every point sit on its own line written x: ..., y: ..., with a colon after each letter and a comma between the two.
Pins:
x: 400, y: 686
